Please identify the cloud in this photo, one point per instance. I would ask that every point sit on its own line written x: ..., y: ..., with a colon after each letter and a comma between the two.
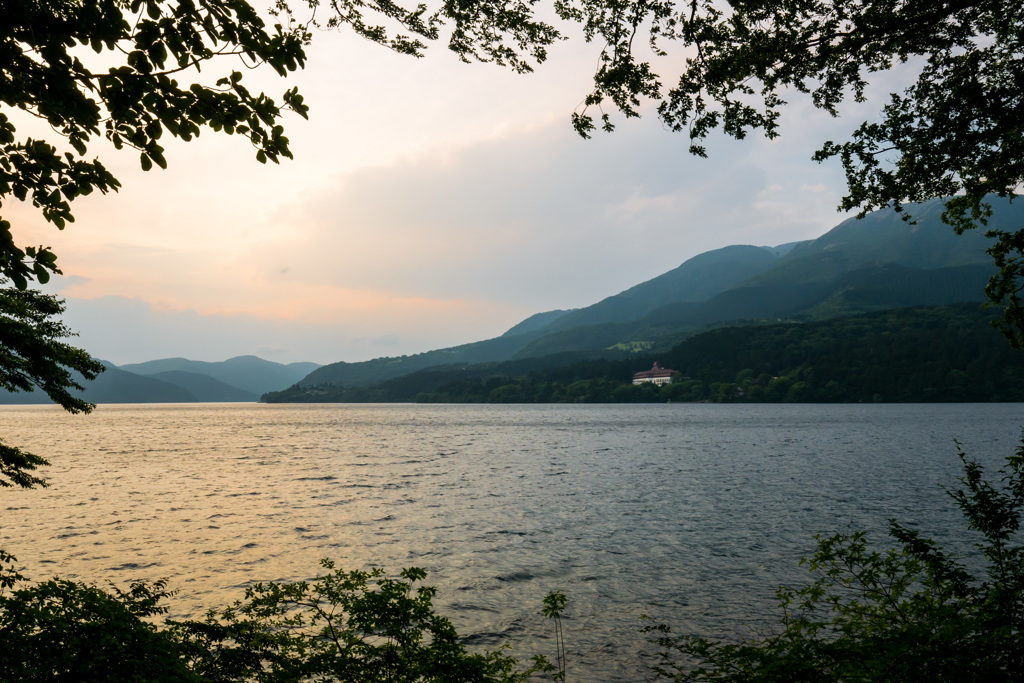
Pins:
x: 542, y: 219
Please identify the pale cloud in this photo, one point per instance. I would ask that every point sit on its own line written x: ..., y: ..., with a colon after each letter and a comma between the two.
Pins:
x: 539, y: 218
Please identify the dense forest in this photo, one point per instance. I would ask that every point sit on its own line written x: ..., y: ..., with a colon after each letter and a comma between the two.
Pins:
x: 944, y: 353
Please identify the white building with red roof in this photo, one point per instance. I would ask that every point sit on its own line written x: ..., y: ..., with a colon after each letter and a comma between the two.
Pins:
x: 657, y: 375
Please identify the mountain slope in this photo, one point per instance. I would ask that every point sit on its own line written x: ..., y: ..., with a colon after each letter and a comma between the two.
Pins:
x: 117, y: 386
x: 940, y: 353
x: 535, y: 323
x: 205, y: 388
x: 884, y: 237
x: 878, y: 262
x: 342, y: 374
x: 695, y: 280
x: 112, y: 386
x: 251, y: 374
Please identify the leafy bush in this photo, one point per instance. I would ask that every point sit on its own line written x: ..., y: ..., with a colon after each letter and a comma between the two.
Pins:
x: 62, y: 631
x: 910, y: 613
x: 343, y: 626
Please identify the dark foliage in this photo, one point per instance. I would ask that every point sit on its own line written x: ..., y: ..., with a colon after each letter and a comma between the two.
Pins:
x: 33, y: 354
x: 62, y: 631
x: 342, y: 626
x: 910, y: 613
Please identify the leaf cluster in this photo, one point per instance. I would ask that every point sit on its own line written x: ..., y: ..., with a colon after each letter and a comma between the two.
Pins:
x: 61, y: 630
x: 35, y: 355
x: 110, y: 68
x: 355, y: 625
x: 505, y: 32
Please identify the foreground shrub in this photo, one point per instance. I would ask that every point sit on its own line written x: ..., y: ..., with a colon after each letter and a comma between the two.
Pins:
x: 62, y: 631
x: 910, y: 613
x: 343, y: 626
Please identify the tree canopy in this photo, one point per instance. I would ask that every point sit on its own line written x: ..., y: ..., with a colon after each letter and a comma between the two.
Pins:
x: 110, y: 68
x: 128, y: 71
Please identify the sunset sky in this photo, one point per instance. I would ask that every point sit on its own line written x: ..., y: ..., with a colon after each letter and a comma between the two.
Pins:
x: 430, y: 203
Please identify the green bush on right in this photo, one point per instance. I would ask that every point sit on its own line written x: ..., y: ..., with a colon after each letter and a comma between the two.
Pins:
x: 909, y: 613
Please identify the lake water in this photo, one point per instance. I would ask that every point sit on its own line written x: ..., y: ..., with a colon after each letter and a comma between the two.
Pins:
x: 693, y: 514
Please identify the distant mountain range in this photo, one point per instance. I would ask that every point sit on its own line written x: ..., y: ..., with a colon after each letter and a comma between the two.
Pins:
x: 876, y: 263
x: 177, y: 380
x: 248, y: 374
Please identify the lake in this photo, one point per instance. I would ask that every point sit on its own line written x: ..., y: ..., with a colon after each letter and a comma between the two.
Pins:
x: 691, y: 513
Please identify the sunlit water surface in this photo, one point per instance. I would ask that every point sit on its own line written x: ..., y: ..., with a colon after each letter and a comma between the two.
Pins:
x: 692, y: 514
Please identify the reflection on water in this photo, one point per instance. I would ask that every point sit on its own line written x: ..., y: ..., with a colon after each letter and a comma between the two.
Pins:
x: 690, y: 513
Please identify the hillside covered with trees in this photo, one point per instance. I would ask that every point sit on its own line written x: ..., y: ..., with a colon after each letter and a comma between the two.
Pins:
x: 944, y: 353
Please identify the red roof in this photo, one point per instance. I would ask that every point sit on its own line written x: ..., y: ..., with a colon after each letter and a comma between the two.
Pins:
x: 655, y: 371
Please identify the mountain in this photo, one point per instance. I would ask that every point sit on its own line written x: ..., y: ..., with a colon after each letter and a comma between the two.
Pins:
x: 875, y: 263
x: 535, y: 323
x: 698, y: 279
x: 205, y: 388
x: 884, y: 237
x: 117, y: 386
x: 112, y: 386
x: 342, y: 374
x: 251, y: 374
x: 920, y: 354
x: 695, y: 280
x: 178, y: 380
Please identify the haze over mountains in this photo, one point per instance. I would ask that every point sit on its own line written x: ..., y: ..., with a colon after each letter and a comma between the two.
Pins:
x: 876, y: 263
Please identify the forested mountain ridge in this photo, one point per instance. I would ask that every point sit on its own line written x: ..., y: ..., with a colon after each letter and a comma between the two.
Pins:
x: 883, y: 237
x: 875, y: 263
x: 923, y: 354
x: 861, y: 265
x: 696, y: 279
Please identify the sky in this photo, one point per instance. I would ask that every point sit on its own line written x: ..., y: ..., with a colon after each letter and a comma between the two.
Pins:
x: 430, y: 203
